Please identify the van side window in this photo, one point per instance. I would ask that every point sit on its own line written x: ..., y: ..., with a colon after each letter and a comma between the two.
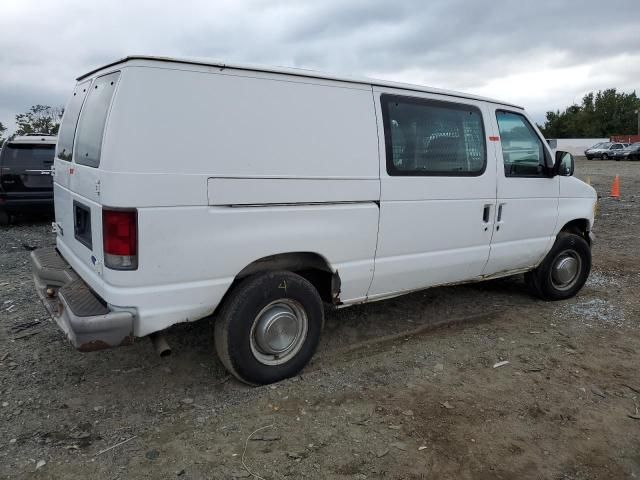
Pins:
x: 93, y: 119
x: 522, y: 149
x: 428, y: 137
x: 70, y: 122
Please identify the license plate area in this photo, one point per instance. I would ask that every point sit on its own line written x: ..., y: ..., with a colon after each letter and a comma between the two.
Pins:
x: 82, y: 224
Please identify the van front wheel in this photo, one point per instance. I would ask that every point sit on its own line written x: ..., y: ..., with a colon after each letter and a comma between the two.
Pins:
x: 564, y: 270
x: 269, y: 327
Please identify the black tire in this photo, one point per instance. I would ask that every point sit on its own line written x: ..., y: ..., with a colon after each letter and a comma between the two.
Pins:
x: 234, y: 337
x: 605, y: 156
x: 5, y: 219
x: 532, y: 284
x: 542, y: 281
x: 589, y: 158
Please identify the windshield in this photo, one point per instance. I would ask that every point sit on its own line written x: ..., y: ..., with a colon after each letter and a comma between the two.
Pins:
x: 16, y: 154
x: 597, y: 145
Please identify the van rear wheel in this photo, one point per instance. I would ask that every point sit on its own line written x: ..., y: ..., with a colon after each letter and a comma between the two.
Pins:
x: 564, y: 270
x: 269, y: 327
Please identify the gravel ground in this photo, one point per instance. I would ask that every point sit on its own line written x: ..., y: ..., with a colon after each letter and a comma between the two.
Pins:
x: 392, y: 393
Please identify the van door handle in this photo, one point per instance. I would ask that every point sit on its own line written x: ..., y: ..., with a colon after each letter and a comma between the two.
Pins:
x: 485, y: 213
x: 499, y: 216
x: 486, y: 216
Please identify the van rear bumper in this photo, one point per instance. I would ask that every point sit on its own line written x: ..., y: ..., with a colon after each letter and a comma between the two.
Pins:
x: 84, y: 317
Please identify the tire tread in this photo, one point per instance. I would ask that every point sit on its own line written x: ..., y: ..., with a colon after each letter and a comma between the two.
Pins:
x: 238, y: 296
x: 537, y: 279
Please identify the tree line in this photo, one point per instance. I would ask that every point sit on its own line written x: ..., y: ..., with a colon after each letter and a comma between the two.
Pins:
x: 601, y: 114
x: 42, y: 119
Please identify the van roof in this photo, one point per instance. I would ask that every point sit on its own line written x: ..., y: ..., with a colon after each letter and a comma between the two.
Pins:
x: 35, y: 138
x: 299, y: 72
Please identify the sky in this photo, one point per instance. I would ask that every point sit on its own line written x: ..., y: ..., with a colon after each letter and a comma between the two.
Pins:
x: 542, y: 54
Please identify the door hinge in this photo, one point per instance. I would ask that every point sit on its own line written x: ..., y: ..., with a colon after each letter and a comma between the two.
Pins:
x: 98, y: 187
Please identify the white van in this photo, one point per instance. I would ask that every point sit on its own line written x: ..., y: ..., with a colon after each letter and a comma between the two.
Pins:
x: 264, y: 195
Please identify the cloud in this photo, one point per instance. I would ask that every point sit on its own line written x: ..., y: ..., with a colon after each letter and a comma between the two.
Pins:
x: 543, y: 54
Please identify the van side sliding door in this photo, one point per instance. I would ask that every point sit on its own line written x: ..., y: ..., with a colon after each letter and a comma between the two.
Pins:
x: 527, y: 209
x: 438, y: 191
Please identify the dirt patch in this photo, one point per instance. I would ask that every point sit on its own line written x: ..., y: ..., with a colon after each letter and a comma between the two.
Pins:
x: 395, y: 391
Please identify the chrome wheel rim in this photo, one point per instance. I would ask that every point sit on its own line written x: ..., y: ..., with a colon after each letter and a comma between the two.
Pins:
x: 279, y: 331
x: 565, y: 270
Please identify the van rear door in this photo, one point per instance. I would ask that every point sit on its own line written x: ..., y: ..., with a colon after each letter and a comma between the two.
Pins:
x: 77, y: 189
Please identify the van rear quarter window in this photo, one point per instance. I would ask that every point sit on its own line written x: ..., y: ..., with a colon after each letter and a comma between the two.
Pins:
x: 429, y: 137
x: 93, y: 119
x: 70, y: 122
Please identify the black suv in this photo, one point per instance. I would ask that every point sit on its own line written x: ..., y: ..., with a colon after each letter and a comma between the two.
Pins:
x: 26, y: 184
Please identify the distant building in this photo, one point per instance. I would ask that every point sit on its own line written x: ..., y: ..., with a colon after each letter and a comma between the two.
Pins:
x: 575, y: 146
x: 625, y: 138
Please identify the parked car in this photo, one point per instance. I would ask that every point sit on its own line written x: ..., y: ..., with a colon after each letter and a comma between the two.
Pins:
x: 631, y: 152
x: 25, y: 175
x: 605, y: 150
x: 288, y: 191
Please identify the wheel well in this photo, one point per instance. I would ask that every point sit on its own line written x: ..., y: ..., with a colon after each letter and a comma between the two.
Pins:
x: 309, y: 265
x: 579, y: 226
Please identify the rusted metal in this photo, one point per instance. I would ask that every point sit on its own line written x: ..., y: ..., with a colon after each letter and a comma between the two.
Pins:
x: 95, y: 345
x: 336, y: 285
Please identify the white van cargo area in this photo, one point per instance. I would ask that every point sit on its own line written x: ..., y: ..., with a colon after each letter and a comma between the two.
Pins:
x: 260, y: 195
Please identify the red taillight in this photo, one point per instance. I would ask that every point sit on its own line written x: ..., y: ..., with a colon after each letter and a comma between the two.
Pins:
x: 120, y: 239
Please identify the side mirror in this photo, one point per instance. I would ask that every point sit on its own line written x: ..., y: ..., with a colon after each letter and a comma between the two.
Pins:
x: 564, y: 164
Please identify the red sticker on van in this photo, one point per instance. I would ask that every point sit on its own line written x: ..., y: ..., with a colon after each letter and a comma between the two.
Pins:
x: 494, y: 139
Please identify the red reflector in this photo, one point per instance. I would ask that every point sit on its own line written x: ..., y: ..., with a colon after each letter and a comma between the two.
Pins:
x: 494, y: 139
x: 120, y: 232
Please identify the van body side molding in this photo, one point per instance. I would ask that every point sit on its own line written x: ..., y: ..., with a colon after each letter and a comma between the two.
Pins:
x: 286, y: 191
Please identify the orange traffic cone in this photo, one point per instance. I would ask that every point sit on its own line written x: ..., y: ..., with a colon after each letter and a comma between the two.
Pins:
x: 615, y: 188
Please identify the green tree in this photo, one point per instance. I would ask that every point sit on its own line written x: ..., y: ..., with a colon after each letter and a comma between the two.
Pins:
x: 2, y: 130
x: 39, y: 119
x: 601, y: 114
